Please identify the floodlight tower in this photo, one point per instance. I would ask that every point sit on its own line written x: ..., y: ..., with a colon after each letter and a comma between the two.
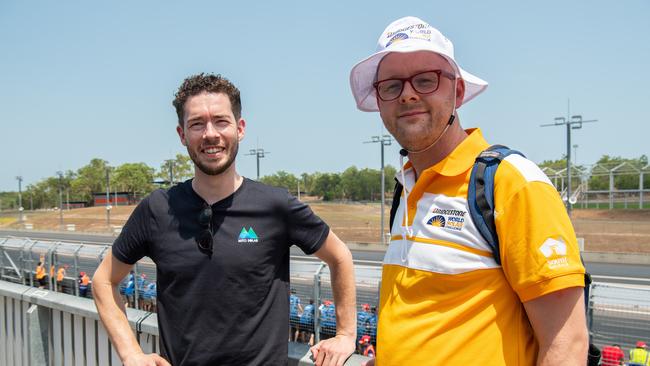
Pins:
x: 20, y: 198
x: 259, y: 154
x: 383, y: 140
x: 572, y: 123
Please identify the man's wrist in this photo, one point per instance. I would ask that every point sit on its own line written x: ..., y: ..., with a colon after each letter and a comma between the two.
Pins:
x: 346, y: 334
x: 132, y: 354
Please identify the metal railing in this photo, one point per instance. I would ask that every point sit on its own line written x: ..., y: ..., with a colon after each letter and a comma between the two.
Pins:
x: 41, y: 327
x: 618, y: 313
x: 310, y: 283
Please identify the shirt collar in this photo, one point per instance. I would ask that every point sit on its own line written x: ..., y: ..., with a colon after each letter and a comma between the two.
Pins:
x: 462, y: 158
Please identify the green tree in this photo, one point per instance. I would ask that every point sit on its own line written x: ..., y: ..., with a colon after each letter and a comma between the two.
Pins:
x: 389, y: 176
x: 350, y: 184
x: 133, y: 177
x: 556, y: 165
x: 182, y: 168
x: 90, y: 179
x: 307, y: 183
x: 44, y: 194
x: 328, y: 186
x: 9, y: 201
x: 282, y: 179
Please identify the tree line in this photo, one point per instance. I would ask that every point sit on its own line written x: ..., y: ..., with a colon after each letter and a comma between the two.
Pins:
x: 352, y: 184
x: 138, y: 179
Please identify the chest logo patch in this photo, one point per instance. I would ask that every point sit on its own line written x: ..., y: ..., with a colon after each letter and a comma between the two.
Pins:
x: 453, y: 220
x: 247, y: 236
x: 555, y: 251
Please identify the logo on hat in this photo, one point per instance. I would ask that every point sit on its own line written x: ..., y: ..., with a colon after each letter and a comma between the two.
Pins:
x: 247, y: 236
x: 396, y: 38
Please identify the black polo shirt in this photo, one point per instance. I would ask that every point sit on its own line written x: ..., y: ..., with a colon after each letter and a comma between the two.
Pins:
x: 231, y: 308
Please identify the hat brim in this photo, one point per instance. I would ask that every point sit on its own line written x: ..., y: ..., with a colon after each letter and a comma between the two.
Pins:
x: 363, y: 74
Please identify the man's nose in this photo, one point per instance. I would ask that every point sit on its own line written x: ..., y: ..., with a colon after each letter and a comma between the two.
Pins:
x: 210, y: 131
x: 409, y: 94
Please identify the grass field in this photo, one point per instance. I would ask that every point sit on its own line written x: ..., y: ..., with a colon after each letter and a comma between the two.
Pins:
x: 604, y: 230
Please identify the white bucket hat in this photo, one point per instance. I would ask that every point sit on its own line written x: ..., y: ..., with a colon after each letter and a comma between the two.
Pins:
x: 408, y: 34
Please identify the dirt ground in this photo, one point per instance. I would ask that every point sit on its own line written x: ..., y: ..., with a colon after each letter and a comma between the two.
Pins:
x: 603, y: 230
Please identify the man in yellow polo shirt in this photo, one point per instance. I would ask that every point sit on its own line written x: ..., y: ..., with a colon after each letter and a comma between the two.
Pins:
x: 444, y: 298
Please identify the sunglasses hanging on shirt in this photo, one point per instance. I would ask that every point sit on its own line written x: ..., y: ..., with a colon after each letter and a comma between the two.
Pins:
x: 204, y: 239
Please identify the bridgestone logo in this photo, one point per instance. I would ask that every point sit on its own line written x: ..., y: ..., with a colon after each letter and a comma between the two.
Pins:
x: 449, y: 212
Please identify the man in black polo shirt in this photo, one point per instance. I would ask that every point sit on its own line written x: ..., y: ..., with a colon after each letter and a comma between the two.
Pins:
x: 221, y: 247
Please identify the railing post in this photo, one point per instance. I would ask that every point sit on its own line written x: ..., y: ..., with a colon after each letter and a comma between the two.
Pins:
x: 22, y: 262
x: 50, y: 256
x: 76, y: 269
x: 317, y: 301
x: 28, y: 269
x: 24, y: 269
x: 136, y: 291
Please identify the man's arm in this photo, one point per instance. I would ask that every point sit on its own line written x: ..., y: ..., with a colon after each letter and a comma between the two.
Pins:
x: 335, y: 351
x: 113, y: 314
x: 558, y: 320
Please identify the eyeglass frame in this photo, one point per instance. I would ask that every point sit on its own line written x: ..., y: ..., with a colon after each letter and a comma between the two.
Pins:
x: 205, y: 220
x: 440, y: 73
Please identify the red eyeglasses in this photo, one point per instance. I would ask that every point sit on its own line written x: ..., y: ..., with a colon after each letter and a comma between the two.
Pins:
x: 425, y: 82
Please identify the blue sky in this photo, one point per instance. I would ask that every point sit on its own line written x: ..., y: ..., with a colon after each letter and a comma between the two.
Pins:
x: 81, y: 80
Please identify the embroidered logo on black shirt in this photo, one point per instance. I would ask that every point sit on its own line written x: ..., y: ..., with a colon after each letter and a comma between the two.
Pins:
x: 247, y: 236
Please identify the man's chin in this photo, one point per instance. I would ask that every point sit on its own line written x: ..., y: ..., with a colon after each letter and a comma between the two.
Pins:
x: 213, y: 169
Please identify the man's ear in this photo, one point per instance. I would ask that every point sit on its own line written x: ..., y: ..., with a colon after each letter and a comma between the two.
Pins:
x: 241, y: 129
x: 460, y: 92
x: 181, y: 134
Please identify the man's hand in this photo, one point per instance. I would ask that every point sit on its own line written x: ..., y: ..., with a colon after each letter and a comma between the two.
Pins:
x: 141, y: 359
x: 334, y: 351
x: 370, y: 362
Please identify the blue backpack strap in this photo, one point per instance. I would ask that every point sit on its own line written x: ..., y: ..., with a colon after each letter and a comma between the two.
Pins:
x: 480, y: 199
x: 480, y: 194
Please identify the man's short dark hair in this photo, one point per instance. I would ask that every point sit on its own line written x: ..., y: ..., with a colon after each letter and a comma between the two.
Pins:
x: 196, y: 84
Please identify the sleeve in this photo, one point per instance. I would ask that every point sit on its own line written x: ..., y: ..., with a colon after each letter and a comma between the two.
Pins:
x: 133, y: 242
x: 539, y: 250
x: 305, y: 228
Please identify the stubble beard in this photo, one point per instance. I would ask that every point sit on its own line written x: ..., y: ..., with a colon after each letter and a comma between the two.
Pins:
x: 421, y: 134
x: 232, y: 151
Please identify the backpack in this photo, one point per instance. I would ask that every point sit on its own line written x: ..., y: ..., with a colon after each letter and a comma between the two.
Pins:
x: 480, y: 199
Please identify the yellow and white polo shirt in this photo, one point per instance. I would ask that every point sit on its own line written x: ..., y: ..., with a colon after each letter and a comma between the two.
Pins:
x: 444, y: 299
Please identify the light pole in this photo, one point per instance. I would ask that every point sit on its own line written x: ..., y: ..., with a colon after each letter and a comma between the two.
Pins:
x: 259, y: 154
x: 20, y: 198
x: 574, y: 122
x: 60, y: 174
x: 383, y: 140
x: 108, y: 197
x: 170, y: 163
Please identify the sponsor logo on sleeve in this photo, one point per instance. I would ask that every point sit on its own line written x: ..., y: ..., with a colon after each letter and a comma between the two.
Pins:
x: 555, y: 251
